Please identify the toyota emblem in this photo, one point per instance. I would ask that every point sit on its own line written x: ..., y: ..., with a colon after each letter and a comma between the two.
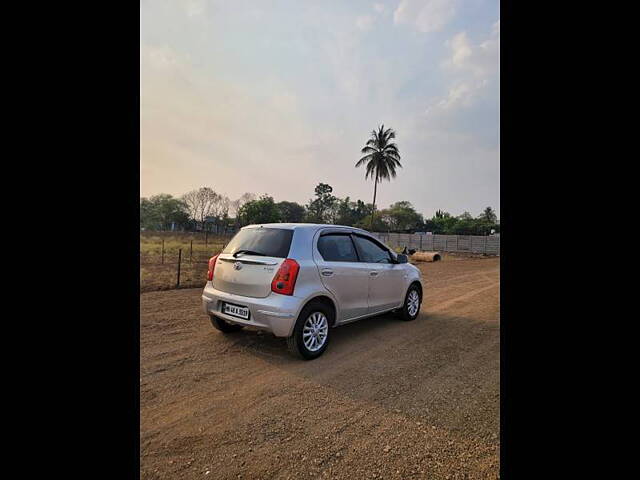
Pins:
x: 237, y: 266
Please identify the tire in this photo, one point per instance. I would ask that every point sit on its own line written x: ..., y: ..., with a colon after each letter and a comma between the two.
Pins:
x: 407, y: 309
x: 322, y: 316
x: 224, y: 326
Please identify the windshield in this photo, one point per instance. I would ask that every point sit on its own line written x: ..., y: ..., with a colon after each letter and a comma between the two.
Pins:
x: 270, y: 242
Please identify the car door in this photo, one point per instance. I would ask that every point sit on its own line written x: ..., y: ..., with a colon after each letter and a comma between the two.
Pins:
x: 342, y: 274
x: 386, y: 278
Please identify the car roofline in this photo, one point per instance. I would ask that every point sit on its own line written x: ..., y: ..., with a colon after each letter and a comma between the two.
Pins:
x: 306, y: 226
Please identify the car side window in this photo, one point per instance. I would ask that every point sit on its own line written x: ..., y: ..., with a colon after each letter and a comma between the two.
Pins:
x: 337, y: 248
x: 371, y: 252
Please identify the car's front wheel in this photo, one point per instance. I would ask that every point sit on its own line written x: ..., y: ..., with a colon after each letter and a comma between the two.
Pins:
x: 223, y: 326
x: 412, y: 301
x: 311, y: 333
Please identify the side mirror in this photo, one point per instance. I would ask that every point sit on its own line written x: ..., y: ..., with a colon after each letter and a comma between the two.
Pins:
x: 402, y: 258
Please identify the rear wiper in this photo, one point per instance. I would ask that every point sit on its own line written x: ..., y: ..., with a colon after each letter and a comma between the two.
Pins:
x: 248, y: 252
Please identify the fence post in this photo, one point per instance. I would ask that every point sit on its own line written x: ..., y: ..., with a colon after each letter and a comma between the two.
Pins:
x: 191, y: 252
x: 485, y: 245
x: 421, y: 242
x: 206, y: 239
x: 179, y: 260
x: 163, y: 251
x: 457, y: 243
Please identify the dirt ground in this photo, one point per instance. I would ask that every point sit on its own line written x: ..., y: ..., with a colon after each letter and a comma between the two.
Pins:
x: 388, y: 399
x: 164, y: 277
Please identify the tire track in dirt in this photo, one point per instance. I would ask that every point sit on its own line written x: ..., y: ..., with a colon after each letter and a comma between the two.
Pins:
x: 389, y: 398
x: 467, y: 296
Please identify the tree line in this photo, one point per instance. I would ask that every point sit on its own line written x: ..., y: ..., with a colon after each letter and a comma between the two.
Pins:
x: 205, y: 209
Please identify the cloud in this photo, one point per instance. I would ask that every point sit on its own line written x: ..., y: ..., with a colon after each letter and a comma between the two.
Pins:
x: 204, y: 118
x: 460, y: 94
x: 460, y: 48
x: 481, y: 60
x: 473, y: 68
x: 425, y: 15
x: 195, y: 8
x: 159, y: 57
x: 192, y: 121
x: 285, y: 102
x: 364, y: 22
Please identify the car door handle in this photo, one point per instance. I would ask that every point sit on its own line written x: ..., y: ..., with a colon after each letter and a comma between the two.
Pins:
x: 373, y: 274
x: 327, y: 273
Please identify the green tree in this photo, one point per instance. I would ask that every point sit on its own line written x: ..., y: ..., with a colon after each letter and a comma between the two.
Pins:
x: 161, y: 211
x: 364, y: 221
x: 263, y: 210
x: 291, y: 212
x: 345, y: 213
x: 235, y: 206
x: 402, y: 216
x: 381, y: 158
x: 487, y: 221
x: 465, y: 225
x: 361, y: 210
x: 352, y: 213
x: 488, y: 215
x: 319, y: 207
x: 443, y: 222
x: 349, y: 213
x: 148, y: 218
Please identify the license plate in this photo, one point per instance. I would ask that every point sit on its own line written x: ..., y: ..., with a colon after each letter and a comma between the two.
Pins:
x: 235, y: 310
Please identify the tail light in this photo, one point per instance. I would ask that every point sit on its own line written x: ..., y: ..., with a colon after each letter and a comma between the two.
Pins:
x: 285, y: 280
x: 212, y: 267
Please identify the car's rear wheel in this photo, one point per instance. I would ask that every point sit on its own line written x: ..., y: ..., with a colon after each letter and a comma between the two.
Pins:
x: 412, y: 301
x: 224, y: 326
x: 311, y: 333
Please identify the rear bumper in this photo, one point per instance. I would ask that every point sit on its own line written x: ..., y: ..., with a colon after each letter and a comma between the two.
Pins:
x: 275, y: 313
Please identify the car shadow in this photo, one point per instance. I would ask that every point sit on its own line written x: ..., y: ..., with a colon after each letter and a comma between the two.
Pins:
x: 344, y: 339
x: 412, y: 369
x: 265, y: 344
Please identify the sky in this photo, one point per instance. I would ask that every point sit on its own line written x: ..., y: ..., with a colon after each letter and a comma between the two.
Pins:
x: 274, y: 97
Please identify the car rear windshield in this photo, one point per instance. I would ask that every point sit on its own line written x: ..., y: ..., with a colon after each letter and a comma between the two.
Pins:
x: 270, y: 242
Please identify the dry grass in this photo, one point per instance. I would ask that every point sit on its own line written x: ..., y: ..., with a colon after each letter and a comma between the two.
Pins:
x: 164, y: 277
x: 151, y: 246
x: 193, y: 272
x: 154, y: 275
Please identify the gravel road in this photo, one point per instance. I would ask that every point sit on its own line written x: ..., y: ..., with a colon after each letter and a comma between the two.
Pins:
x: 388, y: 399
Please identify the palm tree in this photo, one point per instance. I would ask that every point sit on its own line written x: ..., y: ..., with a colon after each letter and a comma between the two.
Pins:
x: 381, y: 158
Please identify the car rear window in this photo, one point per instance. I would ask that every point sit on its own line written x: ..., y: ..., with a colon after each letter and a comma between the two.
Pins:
x: 271, y: 242
x: 337, y: 248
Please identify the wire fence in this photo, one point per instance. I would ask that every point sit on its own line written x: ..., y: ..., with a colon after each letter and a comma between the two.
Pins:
x: 177, y: 260
x: 163, y: 249
x: 171, y: 260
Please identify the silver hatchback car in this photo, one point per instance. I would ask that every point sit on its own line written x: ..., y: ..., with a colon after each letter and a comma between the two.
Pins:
x: 299, y: 280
